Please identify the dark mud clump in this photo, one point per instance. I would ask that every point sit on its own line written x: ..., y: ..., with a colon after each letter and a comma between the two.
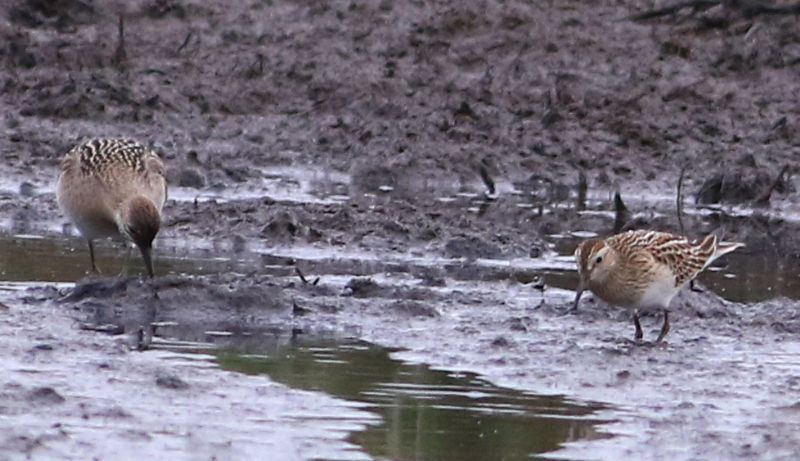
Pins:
x: 61, y: 14
x: 226, y: 301
x: 471, y: 248
x: 745, y: 184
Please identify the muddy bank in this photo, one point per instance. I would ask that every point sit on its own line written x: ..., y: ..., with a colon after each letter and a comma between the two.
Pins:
x: 727, y: 373
x: 405, y: 92
x: 73, y: 394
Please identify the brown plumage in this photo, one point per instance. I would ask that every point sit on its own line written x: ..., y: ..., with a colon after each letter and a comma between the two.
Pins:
x: 643, y: 269
x: 114, y: 188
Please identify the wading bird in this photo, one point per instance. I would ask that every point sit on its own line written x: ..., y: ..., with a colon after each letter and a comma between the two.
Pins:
x: 114, y: 188
x: 643, y: 269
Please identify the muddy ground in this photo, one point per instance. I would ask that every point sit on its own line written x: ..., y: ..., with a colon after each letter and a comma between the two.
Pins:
x: 397, y: 105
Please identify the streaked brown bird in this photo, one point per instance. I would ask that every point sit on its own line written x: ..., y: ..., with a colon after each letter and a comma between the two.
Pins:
x: 114, y: 188
x: 644, y: 269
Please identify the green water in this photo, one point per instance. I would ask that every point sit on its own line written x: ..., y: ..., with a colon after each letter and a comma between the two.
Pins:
x: 24, y: 259
x: 427, y: 414
x: 748, y: 275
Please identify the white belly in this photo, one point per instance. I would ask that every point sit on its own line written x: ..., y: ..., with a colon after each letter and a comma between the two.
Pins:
x: 660, y: 292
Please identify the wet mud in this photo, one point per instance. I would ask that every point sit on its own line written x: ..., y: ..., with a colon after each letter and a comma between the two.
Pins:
x: 411, y: 174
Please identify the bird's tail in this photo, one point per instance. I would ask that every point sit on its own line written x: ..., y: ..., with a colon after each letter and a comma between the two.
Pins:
x: 726, y: 247
x: 714, y: 248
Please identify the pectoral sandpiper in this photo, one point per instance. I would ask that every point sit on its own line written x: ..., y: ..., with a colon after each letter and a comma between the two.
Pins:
x: 114, y: 188
x: 643, y: 269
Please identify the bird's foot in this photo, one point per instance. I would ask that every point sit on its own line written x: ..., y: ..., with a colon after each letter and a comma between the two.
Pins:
x: 568, y: 310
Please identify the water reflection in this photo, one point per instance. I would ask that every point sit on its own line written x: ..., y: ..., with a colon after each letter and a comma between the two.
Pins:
x: 33, y: 259
x: 754, y: 274
x: 428, y: 415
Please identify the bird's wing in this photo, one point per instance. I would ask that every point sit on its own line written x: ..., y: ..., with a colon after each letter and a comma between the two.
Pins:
x: 673, y: 251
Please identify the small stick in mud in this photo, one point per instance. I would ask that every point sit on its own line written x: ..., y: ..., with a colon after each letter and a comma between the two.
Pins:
x: 679, y: 201
x: 748, y: 9
x: 143, y: 339
x: 297, y: 310
x: 487, y: 179
x: 120, y: 58
x: 108, y: 328
x: 303, y: 277
x: 696, y: 5
x: 185, y: 43
x: 582, y: 189
x: 621, y: 213
x: 763, y: 198
x: 300, y: 274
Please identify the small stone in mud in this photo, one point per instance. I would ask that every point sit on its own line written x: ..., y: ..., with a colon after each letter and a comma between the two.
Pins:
x: 430, y: 281
x: 27, y: 189
x: 95, y: 289
x: 112, y: 412
x: 361, y: 287
x: 501, y: 341
x: 171, y: 382
x: 45, y: 395
x: 624, y: 374
x: 42, y: 347
x: 286, y: 225
x: 471, y: 248
x: 413, y: 308
x: 189, y: 177
x: 517, y: 325
x: 238, y: 243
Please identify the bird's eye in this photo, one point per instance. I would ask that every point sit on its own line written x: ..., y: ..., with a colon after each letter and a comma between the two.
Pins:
x: 598, y: 260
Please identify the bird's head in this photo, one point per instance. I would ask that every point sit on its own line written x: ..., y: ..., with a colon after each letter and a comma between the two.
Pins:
x: 139, y: 221
x: 595, y: 261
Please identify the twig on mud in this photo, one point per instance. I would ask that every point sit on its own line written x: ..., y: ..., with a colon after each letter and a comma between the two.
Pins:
x: 748, y: 9
x: 763, y: 198
x: 110, y: 328
x: 672, y: 9
x: 303, y: 277
x: 143, y: 339
x: 185, y: 41
x: 487, y: 179
x: 300, y: 274
x: 583, y: 186
x: 679, y: 200
x: 298, y: 310
x: 620, y: 213
x: 120, y: 58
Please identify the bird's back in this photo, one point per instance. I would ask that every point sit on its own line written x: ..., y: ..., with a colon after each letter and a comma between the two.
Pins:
x: 684, y: 258
x: 114, y: 169
x: 98, y: 176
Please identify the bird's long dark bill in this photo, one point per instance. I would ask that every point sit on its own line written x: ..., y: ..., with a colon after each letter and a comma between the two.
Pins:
x: 578, y: 294
x: 148, y: 261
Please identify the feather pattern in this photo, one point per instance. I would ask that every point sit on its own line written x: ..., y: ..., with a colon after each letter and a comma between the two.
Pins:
x: 643, y: 269
x: 682, y: 257
x: 113, y: 188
